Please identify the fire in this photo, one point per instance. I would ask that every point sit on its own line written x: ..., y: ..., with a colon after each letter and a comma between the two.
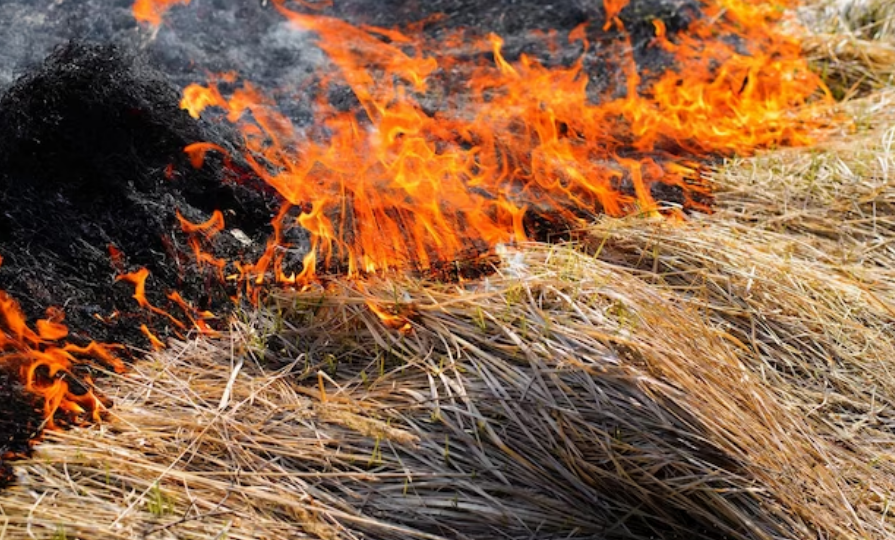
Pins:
x: 51, y: 369
x: 151, y: 11
x: 194, y: 318
x: 405, y: 187
x: 515, y: 144
x: 613, y: 8
x: 138, y: 279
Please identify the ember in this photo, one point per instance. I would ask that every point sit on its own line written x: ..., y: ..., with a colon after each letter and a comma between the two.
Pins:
x: 426, y: 147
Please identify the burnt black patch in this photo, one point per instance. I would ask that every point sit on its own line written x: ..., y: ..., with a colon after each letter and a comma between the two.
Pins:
x: 92, y: 161
x: 92, y: 176
x: 19, y: 422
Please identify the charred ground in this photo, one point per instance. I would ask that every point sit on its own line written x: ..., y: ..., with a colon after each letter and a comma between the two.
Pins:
x: 91, y: 149
x: 85, y: 143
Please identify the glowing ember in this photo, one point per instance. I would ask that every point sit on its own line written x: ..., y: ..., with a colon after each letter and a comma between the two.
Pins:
x: 408, y: 188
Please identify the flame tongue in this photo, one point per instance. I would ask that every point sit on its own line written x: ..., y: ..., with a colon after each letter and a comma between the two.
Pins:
x: 404, y: 187
x: 46, y: 365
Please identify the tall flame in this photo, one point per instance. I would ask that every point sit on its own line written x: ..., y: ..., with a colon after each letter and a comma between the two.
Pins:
x: 404, y: 187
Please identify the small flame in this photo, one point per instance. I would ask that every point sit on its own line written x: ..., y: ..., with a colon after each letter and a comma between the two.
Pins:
x: 209, y: 228
x: 613, y: 8
x: 48, y: 365
x: 203, y: 232
x: 151, y: 11
x: 194, y: 318
x: 138, y: 279
x: 157, y: 344
x: 393, y: 316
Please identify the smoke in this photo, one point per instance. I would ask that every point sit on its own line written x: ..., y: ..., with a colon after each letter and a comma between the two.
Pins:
x: 250, y: 38
x: 206, y: 36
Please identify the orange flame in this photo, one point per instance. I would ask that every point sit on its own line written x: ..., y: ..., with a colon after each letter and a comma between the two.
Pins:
x: 151, y: 11
x: 196, y: 318
x: 157, y: 344
x: 48, y: 366
x: 613, y: 8
x: 407, y: 188
x: 214, y: 225
x: 138, y: 279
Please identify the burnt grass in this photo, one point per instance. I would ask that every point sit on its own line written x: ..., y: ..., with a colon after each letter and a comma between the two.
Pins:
x: 91, y: 150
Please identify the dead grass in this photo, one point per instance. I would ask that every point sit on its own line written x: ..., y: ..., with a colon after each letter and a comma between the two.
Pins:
x: 726, y: 377
x: 872, y: 20
x: 853, y: 44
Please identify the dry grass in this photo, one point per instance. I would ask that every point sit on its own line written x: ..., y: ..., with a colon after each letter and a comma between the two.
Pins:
x: 851, y: 66
x: 726, y: 377
x: 872, y: 20
x: 853, y: 46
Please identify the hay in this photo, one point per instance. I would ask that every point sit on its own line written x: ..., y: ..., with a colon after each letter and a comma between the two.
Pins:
x: 870, y: 19
x: 725, y: 377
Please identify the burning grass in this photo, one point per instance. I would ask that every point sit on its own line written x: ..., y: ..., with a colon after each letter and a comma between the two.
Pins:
x: 456, y: 145
x: 724, y: 377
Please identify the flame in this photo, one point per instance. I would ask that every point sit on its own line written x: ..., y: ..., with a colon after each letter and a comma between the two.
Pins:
x: 151, y: 11
x: 49, y: 367
x: 138, y: 279
x: 613, y: 8
x: 157, y: 344
x: 195, y: 318
x: 198, y: 151
x: 514, y: 141
x: 393, y: 316
x: 404, y: 187
x: 209, y: 229
x: 203, y: 232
